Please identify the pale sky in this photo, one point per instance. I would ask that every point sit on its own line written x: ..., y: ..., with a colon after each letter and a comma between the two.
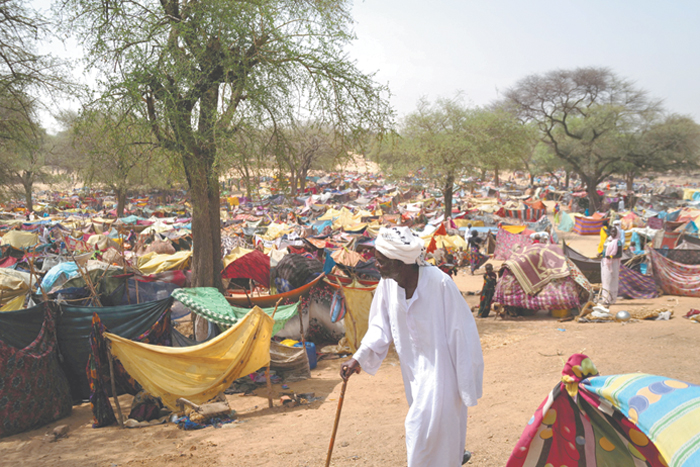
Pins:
x: 437, y: 48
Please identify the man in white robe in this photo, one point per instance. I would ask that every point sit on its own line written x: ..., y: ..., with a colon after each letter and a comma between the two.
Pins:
x: 421, y: 311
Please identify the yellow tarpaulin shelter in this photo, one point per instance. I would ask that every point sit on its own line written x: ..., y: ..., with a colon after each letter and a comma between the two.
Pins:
x: 514, y: 229
x: 200, y: 372
x: 19, y: 239
x: 357, y: 303
x: 276, y: 230
x: 467, y: 222
x: 14, y: 286
x: 153, y: 263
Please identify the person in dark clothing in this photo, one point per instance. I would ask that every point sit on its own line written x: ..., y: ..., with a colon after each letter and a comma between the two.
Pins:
x: 490, y: 280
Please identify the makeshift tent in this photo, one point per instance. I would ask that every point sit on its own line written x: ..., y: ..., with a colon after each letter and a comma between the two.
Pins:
x: 679, y: 255
x: 507, y: 243
x: 358, y: 300
x: 674, y: 278
x: 590, y: 267
x: 14, y: 286
x: 153, y: 263
x: 212, y: 305
x: 636, y: 285
x: 587, y: 225
x: 620, y: 420
x: 200, y: 372
x: 75, y: 325
x: 559, y: 294
x: 34, y: 390
x: 537, y: 265
x: 254, y: 265
x: 19, y: 239
x: 566, y: 223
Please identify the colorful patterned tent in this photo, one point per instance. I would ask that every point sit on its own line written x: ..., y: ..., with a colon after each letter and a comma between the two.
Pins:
x: 33, y: 388
x: 636, y: 285
x: 621, y: 420
x: 507, y: 243
x: 674, y: 278
x: 587, y: 225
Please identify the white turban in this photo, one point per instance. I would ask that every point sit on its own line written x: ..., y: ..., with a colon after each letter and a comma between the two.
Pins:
x: 400, y: 243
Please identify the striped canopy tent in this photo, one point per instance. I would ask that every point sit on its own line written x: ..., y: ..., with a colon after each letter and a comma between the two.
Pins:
x: 624, y: 420
x: 587, y: 225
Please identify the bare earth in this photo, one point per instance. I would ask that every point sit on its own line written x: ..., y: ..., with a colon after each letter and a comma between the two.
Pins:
x: 523, y: 363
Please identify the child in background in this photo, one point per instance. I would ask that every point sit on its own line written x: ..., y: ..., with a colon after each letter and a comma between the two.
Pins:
x: 487, y: 291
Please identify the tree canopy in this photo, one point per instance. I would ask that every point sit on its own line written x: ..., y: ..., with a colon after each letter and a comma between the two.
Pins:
x: 599, y: 124
x: 196, y: 71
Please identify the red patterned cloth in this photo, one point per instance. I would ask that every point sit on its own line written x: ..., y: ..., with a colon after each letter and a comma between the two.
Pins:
x: 33, y: 388
x: 674, y: 278
x: 559, y: 294
x: 507, y: 243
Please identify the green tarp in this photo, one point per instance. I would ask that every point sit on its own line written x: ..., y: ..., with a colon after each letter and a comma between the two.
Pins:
x: 212, y: 305
x: 75, y: 325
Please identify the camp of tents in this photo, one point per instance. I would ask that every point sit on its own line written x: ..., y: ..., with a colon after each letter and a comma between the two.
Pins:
x: 79, y: 288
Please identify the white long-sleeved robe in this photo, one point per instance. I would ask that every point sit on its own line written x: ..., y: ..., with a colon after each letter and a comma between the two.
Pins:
x: 441, y: 362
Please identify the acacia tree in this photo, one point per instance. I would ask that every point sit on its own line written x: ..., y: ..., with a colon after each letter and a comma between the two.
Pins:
x: 660, y: 144
x: 195, y: 69
x: 301, y: 146
x: 580, y: 113
x: 117, y: 151
x: 503, y: 142
x: 24, y: 73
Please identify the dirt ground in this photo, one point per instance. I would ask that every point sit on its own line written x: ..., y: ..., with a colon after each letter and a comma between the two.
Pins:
x: 523, y: 361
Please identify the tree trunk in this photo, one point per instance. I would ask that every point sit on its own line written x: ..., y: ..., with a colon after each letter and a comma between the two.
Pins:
x: 567, y: 179
x: 447, y: 193
x: 28, y: 195
x: 483, y: 175
x: 591, y: 189
x: 121, y: 201
x: 302, y: 181
x: 630, y: 181
x: 532, y: 178
x: 496, y: 180
x: 206, y: 224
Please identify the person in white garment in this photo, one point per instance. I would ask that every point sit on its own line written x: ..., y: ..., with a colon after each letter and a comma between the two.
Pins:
x: 419, y: 309
x: 610, y: 264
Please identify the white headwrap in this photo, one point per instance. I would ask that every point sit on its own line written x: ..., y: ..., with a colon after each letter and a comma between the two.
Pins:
x: 400, y: 243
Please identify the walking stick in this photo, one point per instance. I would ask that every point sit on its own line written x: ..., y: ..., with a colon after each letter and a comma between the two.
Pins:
x: 337, y: 419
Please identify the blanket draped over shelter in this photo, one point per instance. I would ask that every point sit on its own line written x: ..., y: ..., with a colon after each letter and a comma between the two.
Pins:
x: 636, y: 285
x: 537, y: 265
x: 622, y: 420
x: 200, y: 372
x: 33, y: 389
x: 212, y: 305
x: 674, y: 278
x: 507, y: 243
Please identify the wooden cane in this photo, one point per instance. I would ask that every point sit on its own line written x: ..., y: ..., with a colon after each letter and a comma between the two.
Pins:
x: 337, y: 419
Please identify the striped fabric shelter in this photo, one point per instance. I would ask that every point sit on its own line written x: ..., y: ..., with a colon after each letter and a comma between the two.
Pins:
x: 587, y: 225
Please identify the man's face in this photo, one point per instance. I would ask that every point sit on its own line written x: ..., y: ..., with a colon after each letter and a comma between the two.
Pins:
x: 388, y: 268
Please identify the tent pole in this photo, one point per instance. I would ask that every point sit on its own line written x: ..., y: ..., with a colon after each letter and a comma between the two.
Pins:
x: 114, y: 385
x: 267, y: 370
x: 303, y: 341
